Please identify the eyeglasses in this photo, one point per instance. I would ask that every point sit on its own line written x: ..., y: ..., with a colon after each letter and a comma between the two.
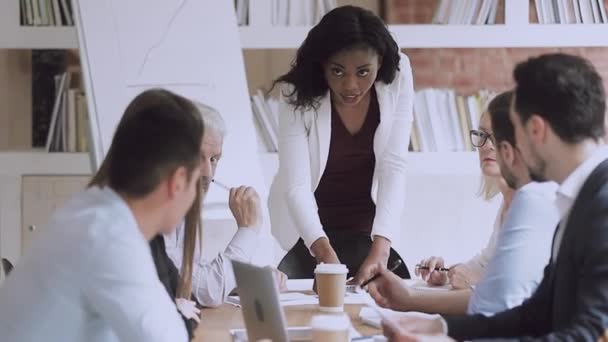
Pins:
x: 479, y: 138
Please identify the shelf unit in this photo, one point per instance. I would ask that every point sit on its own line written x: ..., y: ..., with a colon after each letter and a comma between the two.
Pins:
x: 449, y: 36
x: 38, y: 161
x: 32, y: 37
x: 407, y: 36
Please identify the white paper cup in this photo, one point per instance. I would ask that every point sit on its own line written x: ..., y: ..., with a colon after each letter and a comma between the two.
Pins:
x: 331, y: 286
x: 330, y: 328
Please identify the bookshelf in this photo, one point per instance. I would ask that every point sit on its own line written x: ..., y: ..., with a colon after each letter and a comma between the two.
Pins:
x: 516, y: 32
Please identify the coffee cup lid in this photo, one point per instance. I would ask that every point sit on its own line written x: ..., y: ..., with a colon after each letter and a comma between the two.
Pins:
x: 331, y: 268
x: 330, y: 322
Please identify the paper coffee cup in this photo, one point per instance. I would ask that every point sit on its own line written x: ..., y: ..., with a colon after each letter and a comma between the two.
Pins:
x: 331, y: 286
x: 330, y: 328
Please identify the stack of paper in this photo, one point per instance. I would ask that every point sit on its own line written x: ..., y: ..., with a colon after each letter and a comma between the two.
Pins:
x: 286, y: 299
x: 420, y: 284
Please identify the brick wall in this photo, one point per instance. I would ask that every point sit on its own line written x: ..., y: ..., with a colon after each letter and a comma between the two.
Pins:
x: 467, y: 70
x: 420, y: 11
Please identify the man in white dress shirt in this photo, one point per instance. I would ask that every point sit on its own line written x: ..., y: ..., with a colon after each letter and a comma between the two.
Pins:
x: 89, y: 275
x: 212, y: 281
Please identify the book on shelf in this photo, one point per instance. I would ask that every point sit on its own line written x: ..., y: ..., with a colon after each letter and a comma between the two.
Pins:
x: 266, y: 117
x: 443, y: 119
x: 242, y: 12
x: 570, y: 11
x: 466, y: 12
x: 46, y: 13
x: 45, y: 65
x: 282, y: 12
x: 69, y: 130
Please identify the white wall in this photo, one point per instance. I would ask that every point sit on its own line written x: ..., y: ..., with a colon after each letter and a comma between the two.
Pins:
x: 444, y: 217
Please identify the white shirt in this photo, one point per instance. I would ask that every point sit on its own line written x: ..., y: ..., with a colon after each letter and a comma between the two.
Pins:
x: 478, y: 263
x: 521, y: 251
x: 569, y: 190
x: 88, y: 276
x: 212, y: 281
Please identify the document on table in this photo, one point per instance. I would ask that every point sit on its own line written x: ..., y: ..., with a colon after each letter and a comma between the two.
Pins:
x: 420, y: 284
x: 303, y: 285
x: 299, y: 285
x: 297, y: 334
x: 284, y: 299
x: 297, y: 298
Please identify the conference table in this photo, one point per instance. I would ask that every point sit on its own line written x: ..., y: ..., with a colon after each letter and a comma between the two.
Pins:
x: 216, y: 323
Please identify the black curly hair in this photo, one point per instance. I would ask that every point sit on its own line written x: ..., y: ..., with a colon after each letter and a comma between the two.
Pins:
x: 343, y: 28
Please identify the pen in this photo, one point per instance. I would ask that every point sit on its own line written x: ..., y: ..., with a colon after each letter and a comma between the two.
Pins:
x: 221, y: 185
x: 396, y: 264
x: 438, y: 269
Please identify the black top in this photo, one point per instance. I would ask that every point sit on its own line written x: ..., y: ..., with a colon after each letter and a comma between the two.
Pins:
x: 168, y: 275
x: 344, y: 191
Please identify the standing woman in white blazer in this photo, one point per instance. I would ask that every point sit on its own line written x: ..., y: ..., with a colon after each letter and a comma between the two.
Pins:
x: 344, y: 129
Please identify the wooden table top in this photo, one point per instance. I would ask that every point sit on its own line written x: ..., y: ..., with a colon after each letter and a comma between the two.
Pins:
x: 216, y: 323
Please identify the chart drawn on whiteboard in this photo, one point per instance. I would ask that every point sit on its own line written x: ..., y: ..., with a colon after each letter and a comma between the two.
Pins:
x: 145, y: 57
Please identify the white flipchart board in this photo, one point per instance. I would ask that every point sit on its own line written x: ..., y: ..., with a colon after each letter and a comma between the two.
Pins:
x: 189, y: 47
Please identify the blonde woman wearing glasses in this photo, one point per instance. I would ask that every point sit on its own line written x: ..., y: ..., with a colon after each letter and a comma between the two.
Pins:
x: 465, y: 275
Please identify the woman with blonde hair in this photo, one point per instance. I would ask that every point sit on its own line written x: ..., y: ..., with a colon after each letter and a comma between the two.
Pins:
x: 467, y: 274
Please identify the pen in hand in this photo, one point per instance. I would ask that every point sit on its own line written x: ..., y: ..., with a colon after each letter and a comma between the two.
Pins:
x: 438, y: 269
x: 396, y: 264
x: 221, y: 185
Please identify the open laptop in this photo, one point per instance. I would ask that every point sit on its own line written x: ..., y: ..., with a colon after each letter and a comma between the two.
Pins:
x: 263, y: 315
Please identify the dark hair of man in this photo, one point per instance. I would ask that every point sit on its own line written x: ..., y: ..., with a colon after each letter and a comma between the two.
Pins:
x: 159, y: 132
x: 502, y: 127
x: 342, y: 29
x: 566, y: 91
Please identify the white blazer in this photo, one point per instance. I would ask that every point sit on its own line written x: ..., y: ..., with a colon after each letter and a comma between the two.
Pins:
x: 304, y: 138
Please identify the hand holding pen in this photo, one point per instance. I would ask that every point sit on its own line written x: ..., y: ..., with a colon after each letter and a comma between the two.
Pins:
x: 357, y: 288
x: 244, y: 203
x: 394, y: 267
x: 387, y: 289
x: 438, y: 269
x: 433, y: 271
